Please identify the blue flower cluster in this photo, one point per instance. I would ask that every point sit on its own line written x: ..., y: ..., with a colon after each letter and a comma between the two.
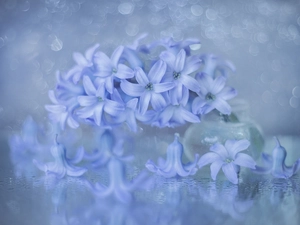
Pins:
x: 135, y: 83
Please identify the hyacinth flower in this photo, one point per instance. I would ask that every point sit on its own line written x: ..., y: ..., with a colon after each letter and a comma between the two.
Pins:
x: 180, y: 68
x: 171, y: 45
x: 214, y: 66
x: 64, y: 100
x: 173, y: 166
x: 95, y: 103
x: 109, y: 68
x: 174, y: 115
x: 119, y: 187
x: 62, y: 165
x: 213, y: 95
x: 128, y: 115
x: 84, y: 64
x: 275, y: 164
x: 229, y: 158
x: 149, y: 88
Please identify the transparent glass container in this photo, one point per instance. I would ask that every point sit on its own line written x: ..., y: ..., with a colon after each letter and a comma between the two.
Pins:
x: 217, y: 128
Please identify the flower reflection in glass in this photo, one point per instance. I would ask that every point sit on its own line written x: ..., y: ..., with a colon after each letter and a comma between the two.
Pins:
x: 229, y: 158
x: 173, y: 166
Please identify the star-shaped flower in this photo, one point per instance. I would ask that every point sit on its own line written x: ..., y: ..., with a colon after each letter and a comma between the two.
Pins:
x: 95, y: 103
x: 173, y: 166
x: 109, y: 68
x: 84, y: 64
x: 149, y: 87
x: 213, y: 95
x: 229, y: 158
x: 180, y: 68
x: 275, y: 164
x: 62, y: 165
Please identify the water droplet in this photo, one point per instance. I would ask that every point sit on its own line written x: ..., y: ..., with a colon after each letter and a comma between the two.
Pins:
x: 296, y: 91
x: 211, y: 14
x: 126, y: 8
x: 10, y: 34
x: 56, y: 45
x: 1, y: 42
x: 132, y: 29
x: 24, y: 6
x: 195, y: 47
x: 275, y: 86
x: 294, y: 102
x: 196, y: 10
x: 267, y: 97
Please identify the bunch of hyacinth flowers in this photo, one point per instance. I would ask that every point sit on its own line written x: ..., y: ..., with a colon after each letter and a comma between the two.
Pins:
x: 161, y: 84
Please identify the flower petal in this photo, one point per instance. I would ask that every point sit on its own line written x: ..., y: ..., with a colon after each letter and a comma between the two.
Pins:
x: 208, y: 158
x: 230, y: 173
x: 124, y: 72
x: 227, y: 93
x: 204, y: 80
x: 131, y: 104
x: 197, y: 105
x: 244, y: 160
x: 56, y: 108
x: 90, y: 52
x: 157, y: 101
x: 222, y: 106
x: 188, y: 116
x: 115, y: 57
x: 165, y: 116
x: 180, y: 61
x: 163, y: 87
x: 141, y: 77
x: 113, y: 108
x: 87, y: 100
x: 144, y: 102
x: 234, y: 146
x: 157, y: 71
x: 103, y: 64
x: 215, y: 168
x: 190, y: 83
x: 168, y: 57
x: 88, y: 86
x: 192, y: 64
x: 98, y: 111
x: 130, y: 89
x: 218, y: 84
x: 220, y: 150
x: 79, y: 59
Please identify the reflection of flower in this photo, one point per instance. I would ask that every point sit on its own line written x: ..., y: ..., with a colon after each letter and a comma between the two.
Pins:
x: 62, y: 165
x: 118, y: 186
x: 25, y: 146
x: 173, y: 166
x: 213, y: 95
x: 275, y: 164
x: 225, y: 200
x: 228, y: 158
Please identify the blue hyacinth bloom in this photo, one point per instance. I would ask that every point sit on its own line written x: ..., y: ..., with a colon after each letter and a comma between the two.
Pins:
x: 229, y: 158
